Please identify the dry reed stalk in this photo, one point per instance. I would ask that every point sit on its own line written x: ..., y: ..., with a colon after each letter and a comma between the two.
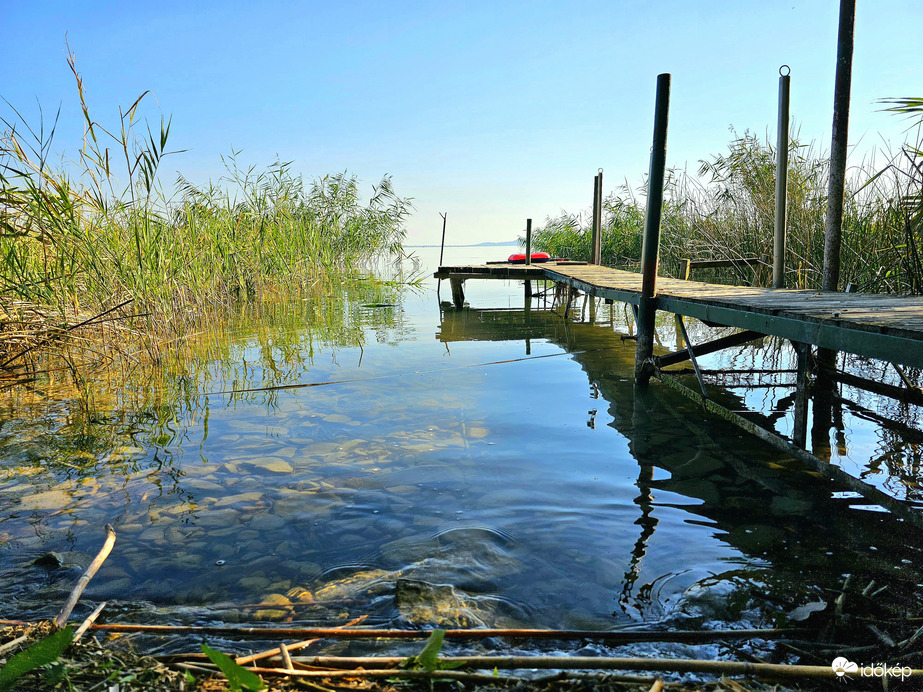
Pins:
x: 85, y: 578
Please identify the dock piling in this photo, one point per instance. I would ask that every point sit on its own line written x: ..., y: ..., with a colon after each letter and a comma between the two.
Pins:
x: 528, y: 284
x: 596, y: 250
x: 647, y: 306
x: 778, y: 238
x: 528, y: 241
x: 458, y: 292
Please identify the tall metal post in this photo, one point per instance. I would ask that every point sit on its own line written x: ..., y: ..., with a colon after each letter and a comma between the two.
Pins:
x: 837, y: 187
x: 647, y: 307
x: 595, y: 238
x: 597, y: 246
x: 442, y: 245
x: 778, y: 240
x: 528, y: 241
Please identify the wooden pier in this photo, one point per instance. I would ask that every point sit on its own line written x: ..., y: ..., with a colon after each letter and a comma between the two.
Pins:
x: 882, y: 327
x: 885, y: 327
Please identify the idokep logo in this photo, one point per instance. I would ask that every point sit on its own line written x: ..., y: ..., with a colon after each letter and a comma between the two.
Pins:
x: 843, y: 668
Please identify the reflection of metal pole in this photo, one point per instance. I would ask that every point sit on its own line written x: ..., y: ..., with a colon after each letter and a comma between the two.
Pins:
x: 778, y: 240
x: 647, y: 307
x: 802, y: 382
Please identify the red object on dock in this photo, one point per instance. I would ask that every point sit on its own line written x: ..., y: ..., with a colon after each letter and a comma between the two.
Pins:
x: 520, y: 258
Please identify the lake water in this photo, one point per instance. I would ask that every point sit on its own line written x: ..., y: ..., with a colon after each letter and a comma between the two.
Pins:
x: 484, y: 467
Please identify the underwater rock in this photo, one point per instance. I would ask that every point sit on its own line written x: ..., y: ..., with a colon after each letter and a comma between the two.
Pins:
x: 441, y: 605
x: 373, y: 582
x: 49, y: 561
x: 272, y: 465
x: 273, y: 613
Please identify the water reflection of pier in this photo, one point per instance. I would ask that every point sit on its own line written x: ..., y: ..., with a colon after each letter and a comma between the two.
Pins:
x: 761, y: 503
x: 602, y: 352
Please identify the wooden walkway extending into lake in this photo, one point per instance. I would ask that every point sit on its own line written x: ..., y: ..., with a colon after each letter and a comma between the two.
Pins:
x: 885, y: 327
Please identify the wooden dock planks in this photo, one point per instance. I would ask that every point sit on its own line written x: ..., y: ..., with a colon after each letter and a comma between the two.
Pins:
x: 885, y: 327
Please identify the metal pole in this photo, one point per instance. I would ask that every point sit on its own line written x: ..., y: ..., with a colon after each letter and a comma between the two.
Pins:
x: 778, y: 241
x: 647, y: 307
x: 528, y: 241
x: 836, y: 189
x: 597, y: 246
x: 442, y: 245
x: 595, y: 238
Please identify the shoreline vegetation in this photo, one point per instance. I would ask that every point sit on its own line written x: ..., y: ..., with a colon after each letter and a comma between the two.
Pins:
x: 98, y: 252
x: 726, y: 212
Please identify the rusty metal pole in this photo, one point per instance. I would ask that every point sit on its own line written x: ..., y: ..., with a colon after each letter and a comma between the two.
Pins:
x: 778, y: 239
x: 834, y: 227
x: 647, y: 307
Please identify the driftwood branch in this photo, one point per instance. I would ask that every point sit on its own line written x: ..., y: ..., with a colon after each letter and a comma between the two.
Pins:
x: 85, y: 578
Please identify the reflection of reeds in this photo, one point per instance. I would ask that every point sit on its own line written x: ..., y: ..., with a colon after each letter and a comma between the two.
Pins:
x: 727, y: 212
x: 74, y: 242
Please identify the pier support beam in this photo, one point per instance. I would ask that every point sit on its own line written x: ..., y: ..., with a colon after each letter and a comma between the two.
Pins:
x: 647, y: 307
x: 458, y: 292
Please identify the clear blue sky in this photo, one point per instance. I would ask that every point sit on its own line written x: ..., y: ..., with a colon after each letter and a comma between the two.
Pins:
x: 489, y: 111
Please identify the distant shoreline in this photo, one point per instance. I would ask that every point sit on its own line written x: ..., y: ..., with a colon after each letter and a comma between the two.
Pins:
x: 497, y: 244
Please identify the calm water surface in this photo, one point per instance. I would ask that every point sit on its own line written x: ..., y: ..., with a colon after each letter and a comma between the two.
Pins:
x: 476, y: 468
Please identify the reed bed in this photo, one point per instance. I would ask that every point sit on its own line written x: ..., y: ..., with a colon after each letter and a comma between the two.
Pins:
x: 78, y: 239
x: 726, y: 211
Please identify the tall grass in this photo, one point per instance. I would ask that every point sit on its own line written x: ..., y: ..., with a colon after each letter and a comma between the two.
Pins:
x: 726, y: 211
x: 101, y: 231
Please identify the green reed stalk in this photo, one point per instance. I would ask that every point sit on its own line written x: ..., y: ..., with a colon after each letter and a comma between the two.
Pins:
x: 74, y: 238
